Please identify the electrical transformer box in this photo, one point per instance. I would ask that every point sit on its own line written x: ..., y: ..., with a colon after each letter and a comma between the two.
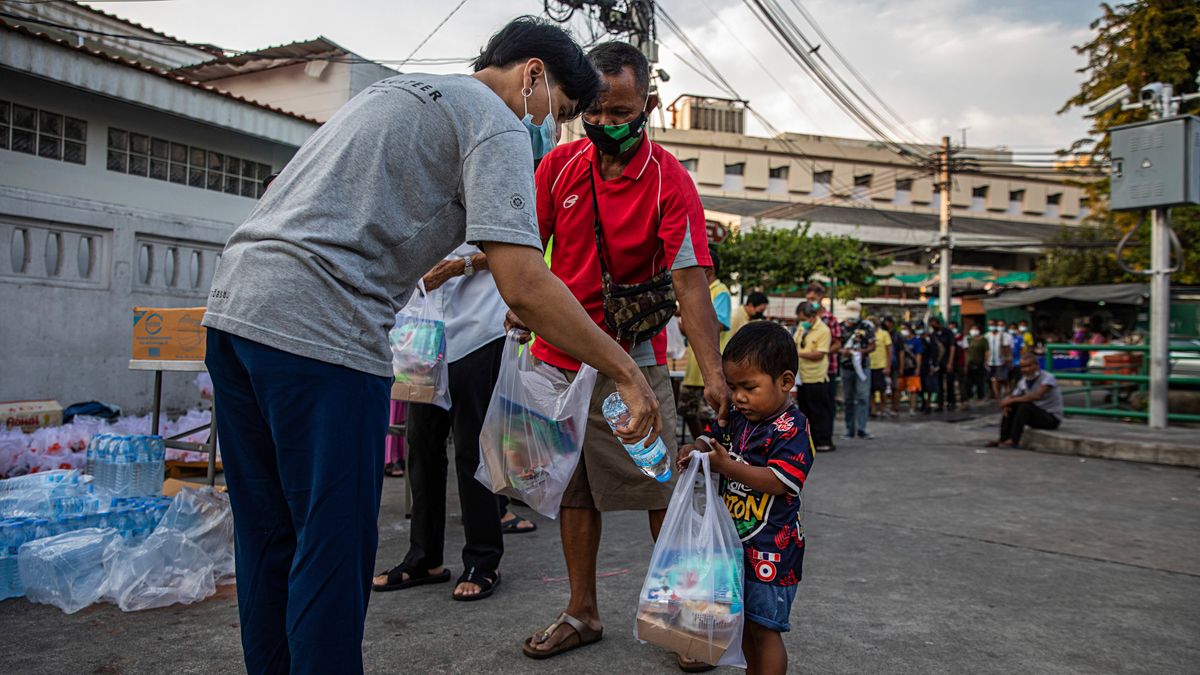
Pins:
x: 1156, y: 163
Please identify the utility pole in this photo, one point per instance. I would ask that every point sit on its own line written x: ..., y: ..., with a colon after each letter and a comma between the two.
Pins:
x: 1146, y: 176
x: 944, y: 299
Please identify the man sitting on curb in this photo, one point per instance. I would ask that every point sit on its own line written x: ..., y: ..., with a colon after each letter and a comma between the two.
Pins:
x: 1036, y: 401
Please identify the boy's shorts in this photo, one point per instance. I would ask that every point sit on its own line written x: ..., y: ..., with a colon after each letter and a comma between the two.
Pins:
x: 910, y: 383
x: 769, y: 606
x: 878, y: 380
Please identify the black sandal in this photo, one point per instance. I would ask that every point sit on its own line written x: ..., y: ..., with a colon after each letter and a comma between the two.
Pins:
x: 416, y: 577
x: 488, y: 583
x: 514, y: 526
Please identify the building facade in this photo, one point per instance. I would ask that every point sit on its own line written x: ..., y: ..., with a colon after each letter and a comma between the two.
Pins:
x: 122, y: 174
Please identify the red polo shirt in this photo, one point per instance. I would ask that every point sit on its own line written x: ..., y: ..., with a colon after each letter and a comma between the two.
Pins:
x: 651, y: 217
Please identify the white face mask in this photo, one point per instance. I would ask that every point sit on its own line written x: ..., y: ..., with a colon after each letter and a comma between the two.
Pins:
x: 974, y: 332
x: 1023, y: 328
x: 905, y: 332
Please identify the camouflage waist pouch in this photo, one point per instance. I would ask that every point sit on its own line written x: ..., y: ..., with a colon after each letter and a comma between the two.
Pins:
x: 633, y: 312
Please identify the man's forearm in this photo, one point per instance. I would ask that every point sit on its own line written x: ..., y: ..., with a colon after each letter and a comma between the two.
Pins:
x: 698, y: 320
x: 545, y: 304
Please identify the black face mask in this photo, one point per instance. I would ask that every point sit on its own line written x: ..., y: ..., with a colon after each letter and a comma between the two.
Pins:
x: 755, y: 316
x: 616, y: 139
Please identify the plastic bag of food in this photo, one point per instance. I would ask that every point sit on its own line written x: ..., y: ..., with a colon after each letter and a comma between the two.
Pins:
x: 691, y: 601
x: 418, y: 342
x: 67, y: 570
x: 533, y: 431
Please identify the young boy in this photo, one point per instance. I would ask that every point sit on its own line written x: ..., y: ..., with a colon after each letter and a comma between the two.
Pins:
x: 764, y: 456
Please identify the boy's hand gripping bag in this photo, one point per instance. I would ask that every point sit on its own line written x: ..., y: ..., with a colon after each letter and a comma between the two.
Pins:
x: 533, y: 431
x: 418, y: 342
x: 691, y: 601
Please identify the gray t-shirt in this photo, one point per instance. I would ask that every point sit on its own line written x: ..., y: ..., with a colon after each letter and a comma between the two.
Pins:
x: 1052, y: 402
x: 401, y: 175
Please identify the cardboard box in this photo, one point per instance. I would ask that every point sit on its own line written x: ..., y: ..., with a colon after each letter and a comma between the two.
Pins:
x: 172, y: 486
x: 168, y: 334
x: 30, y: 415
x: 674, y: 638
x: 413, y: 393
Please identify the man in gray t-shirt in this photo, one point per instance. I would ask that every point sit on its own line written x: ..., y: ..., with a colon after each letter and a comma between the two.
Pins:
x: 1036, y: 402
x: 307, y: 289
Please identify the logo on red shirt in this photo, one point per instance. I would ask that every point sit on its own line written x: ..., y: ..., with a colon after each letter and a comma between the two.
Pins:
x: 570, y: 201
x: 784, y: 422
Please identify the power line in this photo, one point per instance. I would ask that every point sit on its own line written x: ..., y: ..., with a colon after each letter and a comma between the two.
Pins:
x: 433, y: 32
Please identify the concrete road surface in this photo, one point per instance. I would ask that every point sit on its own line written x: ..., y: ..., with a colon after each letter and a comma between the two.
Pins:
x: 926, y: 554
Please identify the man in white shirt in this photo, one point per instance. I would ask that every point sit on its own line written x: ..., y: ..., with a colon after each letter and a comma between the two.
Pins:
x: 473, y: 311
x: 999, y: 356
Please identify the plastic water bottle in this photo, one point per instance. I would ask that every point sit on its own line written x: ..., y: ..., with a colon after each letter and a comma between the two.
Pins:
x: 89, y: 463
x: 10, y: 532
x: 653, y: 461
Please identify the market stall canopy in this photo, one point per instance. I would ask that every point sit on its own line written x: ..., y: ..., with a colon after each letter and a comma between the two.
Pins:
x: 1122, y: 294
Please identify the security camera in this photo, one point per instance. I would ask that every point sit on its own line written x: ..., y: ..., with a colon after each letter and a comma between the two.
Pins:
x: 1112, y: 99
x: 1151, y: 92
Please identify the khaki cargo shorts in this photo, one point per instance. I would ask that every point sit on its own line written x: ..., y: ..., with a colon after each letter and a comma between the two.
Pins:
x: 606, y: 478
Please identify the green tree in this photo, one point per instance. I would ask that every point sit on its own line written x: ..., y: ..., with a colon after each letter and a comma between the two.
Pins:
x: 783, y: 259
x: 1135, y: 43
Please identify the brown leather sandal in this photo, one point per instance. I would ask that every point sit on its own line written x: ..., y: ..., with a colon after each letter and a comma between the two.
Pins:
x: 584, y: 635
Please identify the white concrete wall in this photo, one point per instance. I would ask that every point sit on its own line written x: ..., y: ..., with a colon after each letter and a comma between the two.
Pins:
x: 65, y: 332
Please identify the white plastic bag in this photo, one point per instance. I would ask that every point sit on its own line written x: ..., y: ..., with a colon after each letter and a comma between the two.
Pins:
x: 163, y: 570
x: 676, y: 346
x: 533, y: 431
x: 68, y: 570
x: 692, y: 599
x: 418, y: 342
x: 204, y: 517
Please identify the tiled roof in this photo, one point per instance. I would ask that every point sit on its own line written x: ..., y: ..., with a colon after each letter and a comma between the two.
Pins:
x: 179, y: 79
x: 211, y: 49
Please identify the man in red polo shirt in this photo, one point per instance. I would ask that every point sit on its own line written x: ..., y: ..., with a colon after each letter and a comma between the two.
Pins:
x: 651, y: 219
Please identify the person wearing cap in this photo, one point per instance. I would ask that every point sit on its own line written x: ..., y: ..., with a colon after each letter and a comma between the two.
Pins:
x: 812, y: 346
x: 859, y: 337
x: 881, y: 366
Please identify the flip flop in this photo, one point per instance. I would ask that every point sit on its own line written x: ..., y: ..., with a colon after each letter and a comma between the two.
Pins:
x: 416, y: 577
x: 584, y: 635
x: 487, y: 585
x: 513, y: 526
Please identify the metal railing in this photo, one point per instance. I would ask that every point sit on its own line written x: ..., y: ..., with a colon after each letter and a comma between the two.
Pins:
x: 1114, y: 383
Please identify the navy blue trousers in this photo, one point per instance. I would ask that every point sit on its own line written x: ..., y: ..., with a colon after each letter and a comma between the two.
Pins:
x: 302, y: 444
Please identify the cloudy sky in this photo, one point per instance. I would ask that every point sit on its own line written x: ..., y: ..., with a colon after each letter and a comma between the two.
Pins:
x: 1000, y: 69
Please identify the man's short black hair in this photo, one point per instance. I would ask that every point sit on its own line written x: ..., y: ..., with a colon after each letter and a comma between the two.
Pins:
x: 756, y: 299
x: 528, y: 37
x: 765, y: 345
x: 611, y: 58
x: 716, y: 261
x: 816, y: 287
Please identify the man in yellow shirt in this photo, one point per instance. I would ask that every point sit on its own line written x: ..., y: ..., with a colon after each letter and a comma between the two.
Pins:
x: 695, y: 410
x: 881, y: 366
x: 755, y: 309
x: 813, y: 341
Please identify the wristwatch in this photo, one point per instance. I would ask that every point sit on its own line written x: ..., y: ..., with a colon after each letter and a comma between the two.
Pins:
x: 468, y: 266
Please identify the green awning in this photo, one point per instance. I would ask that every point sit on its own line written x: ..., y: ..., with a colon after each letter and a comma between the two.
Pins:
x: 977, y: 275
x: 1016, y: 278
x: 912, y: 278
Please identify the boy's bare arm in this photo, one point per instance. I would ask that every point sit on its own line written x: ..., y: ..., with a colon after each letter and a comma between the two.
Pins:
x: 758, y: 477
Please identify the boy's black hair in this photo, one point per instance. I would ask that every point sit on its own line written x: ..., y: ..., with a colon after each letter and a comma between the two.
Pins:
x: 804, y: 308
x: 716, y: 262
x: 528, y: 37
x: 765, y: 345
x: 756, y: 298
x: 611, y: 58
